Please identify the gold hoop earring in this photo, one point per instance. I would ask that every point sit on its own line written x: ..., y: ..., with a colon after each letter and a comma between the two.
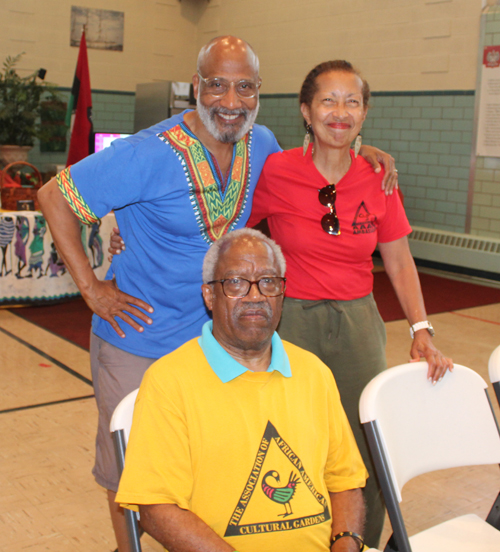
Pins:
x: 357, y: 144
x: 307, y: 139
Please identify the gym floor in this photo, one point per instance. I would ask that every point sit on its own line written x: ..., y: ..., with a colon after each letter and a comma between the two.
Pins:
x: 49, y: 500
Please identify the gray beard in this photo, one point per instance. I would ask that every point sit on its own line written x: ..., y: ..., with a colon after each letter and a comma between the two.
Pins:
x: 229, y: 136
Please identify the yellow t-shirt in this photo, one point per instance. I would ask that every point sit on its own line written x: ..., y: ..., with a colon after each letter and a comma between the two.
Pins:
x: 254, y: 457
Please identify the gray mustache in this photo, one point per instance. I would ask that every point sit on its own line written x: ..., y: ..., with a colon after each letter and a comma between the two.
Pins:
x: 242, y: 308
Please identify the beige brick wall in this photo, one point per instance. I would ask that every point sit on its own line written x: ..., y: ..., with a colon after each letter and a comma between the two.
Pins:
x: 159, y: 41
x: 397, y: 44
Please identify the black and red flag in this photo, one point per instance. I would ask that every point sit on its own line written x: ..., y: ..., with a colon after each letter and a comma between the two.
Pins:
x: 79, y: 114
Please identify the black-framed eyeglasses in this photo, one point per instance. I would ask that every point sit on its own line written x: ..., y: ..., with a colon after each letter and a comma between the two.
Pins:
x: 220, y: 87
x: 330, y: 222
x: 236, y: 288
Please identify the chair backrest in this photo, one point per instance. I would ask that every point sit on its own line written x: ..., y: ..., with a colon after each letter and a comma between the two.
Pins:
x: 425, y: 427
x: 123, y: 414
x: 494, y: 371
x: 494, y: 366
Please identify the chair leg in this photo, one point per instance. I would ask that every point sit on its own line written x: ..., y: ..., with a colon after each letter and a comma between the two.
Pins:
x: 400, y: 536
x: 133, y: 530
x: 494, y: 515
x: 131, y: 518
x: 496, y: 387
x: 391, y: 545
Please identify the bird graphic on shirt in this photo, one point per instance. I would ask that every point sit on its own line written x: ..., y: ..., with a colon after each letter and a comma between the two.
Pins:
x: 281, y: 495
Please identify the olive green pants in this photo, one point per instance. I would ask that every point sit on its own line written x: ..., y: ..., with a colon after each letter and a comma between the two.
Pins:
x: 349, y: 337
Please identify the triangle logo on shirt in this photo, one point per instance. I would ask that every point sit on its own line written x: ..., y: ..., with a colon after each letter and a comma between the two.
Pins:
x: 364, y: 222
x: 278, y: 494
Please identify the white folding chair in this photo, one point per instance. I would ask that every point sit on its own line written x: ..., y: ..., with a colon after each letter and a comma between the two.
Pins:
x: 494, y: 371
x: 120, y: 425
x: 414, y: 427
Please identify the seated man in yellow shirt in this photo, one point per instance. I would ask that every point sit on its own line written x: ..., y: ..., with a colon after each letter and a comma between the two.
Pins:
x: 239, y: 440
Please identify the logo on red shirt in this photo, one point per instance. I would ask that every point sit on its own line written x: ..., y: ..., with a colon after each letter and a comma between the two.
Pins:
x: 364, y: 222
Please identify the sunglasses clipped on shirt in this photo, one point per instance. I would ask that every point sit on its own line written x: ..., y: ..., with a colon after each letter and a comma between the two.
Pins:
x: 330, y: 222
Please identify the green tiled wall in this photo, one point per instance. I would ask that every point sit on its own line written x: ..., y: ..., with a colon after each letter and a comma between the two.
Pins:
x: 429, y: 134
x: 112, y: 112
x: 280, y: 112
x: 492, y: 27
x: 486, y: 206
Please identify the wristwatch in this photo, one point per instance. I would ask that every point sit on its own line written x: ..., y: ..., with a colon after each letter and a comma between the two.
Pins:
x: 420, y: 326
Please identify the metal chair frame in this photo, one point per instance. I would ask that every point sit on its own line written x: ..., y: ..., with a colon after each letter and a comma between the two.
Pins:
x: 121, y: 422
x: 494, y: 371
x: 391, y: 480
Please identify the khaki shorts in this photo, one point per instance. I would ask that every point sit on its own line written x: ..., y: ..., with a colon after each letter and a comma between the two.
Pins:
x: 115, y: 373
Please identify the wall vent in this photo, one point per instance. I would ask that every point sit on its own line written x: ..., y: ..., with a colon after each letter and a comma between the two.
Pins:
x: 466, y: 250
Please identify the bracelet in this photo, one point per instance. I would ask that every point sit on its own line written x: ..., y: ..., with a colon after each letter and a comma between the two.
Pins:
x: 351, y: 534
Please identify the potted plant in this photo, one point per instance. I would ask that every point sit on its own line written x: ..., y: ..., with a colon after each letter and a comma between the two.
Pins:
x: 21, y: 103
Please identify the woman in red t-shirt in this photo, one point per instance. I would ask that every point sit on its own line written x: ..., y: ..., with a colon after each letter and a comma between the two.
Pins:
x: 326, y: 209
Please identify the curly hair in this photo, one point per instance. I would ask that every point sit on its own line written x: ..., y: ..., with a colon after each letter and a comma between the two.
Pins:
x: 310, y: 86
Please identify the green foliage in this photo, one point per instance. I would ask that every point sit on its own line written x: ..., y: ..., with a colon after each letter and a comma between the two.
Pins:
x: 21, y: 104
x: 53, y: 128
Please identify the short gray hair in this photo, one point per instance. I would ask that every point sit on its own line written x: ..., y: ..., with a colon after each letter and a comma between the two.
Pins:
x: 213, y: 254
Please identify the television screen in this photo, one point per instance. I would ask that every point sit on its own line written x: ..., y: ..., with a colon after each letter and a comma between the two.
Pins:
x: 104, y: 139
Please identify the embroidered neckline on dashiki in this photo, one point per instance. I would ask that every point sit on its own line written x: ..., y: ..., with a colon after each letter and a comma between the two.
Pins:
x: 217, y: 207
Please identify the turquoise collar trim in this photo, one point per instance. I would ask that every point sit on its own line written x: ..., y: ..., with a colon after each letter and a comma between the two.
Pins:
x: 224, y: 365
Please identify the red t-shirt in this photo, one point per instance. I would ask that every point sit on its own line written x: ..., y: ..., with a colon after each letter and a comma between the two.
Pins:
x: 319, y: 265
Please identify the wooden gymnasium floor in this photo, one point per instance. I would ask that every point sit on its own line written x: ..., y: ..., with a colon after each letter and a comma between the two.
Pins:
x: 49, y: 500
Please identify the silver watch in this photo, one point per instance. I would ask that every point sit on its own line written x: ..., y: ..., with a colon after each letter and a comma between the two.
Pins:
x: 421, y: 326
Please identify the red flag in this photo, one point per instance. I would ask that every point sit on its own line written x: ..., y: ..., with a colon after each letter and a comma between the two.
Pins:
x: 80, y: 104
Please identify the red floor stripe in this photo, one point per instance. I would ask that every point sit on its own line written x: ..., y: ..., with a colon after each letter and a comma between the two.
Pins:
x: 476, y: 318
x: 440, y: 295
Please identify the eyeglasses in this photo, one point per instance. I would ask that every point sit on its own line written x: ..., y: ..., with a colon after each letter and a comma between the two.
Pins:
x: 236, y: 288
x: 219, y: 87
x: 330, y: 222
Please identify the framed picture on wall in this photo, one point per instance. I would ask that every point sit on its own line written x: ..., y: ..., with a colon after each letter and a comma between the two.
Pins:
x: 103, y: 28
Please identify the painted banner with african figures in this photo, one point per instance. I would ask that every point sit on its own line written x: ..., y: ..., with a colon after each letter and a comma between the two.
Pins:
x: 31, y: 270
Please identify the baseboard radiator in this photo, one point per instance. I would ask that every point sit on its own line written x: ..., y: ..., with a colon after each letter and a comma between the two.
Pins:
x: 452, y: 248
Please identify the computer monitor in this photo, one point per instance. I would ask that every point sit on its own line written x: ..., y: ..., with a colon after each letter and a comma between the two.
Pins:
x: 103, y: 139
